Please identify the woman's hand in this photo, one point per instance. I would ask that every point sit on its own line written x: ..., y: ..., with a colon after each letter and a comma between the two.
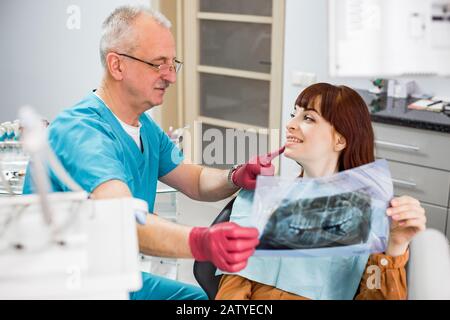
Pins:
x: 408, y: 219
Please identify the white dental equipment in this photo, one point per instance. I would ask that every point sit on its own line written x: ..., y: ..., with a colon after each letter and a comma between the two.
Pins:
x: 65, y: 245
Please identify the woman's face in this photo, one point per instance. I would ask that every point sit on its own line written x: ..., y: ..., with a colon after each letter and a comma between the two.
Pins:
x: 310, y: 138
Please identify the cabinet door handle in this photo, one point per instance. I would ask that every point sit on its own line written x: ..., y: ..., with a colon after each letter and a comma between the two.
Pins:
x: 404, y: 183
x: 396, y: 145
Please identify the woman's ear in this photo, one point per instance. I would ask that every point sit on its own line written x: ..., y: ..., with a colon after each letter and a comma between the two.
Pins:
x: 340, y: 142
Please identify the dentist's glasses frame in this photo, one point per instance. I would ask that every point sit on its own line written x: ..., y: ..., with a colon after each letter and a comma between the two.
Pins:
x: 164, y: 68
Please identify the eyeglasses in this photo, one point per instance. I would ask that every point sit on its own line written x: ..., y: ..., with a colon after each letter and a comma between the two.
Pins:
x: 161, y: 68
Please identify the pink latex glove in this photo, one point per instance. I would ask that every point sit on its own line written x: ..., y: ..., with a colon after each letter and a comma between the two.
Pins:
x: 245, y: 176
x: 227, y: 245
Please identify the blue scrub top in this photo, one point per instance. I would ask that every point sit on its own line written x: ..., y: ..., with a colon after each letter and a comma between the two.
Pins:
x: 94, y: 148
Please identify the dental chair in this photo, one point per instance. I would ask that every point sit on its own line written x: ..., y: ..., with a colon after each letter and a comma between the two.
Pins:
x: 428, y: 270
x: 205, y: 272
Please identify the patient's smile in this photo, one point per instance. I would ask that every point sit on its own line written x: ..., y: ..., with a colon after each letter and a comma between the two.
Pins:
x: 293, y: 140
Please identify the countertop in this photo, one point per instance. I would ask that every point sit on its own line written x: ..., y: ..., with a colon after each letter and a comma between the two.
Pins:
x: 394, y: 111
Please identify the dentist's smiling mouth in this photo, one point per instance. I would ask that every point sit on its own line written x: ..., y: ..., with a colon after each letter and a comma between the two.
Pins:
x: 162, y: 87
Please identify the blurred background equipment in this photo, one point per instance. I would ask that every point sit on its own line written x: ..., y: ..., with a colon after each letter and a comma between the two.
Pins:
x: 88, y: 251
x: 64, y: 245
x: 13, y: 159
x: 429, y: 267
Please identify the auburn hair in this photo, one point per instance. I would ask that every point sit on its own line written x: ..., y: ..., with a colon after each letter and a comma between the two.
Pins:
x: 349, y: 115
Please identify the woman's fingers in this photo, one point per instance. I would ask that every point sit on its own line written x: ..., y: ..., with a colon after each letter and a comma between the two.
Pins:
x: 409, y: 214
x: 408, y: 218
x: 404, y: 208
x: 399, y: 201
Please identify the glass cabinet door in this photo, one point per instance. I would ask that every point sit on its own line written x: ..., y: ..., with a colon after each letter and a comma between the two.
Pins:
x: 247, y: 7
x: 235, y: 72
x: 235, y: 99
x: 236, y: 45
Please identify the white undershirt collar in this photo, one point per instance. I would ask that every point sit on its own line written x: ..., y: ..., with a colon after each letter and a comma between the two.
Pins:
x: 132, y: 131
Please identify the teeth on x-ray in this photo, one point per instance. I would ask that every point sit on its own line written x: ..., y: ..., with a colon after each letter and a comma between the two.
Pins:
x: 338, y: 220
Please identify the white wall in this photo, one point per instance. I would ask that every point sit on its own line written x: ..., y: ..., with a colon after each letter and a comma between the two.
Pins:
x: 42, y: 62
x: 306, y: 49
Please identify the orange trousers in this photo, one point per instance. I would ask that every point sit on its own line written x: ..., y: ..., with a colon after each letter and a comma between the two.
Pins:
x: 234, y: 287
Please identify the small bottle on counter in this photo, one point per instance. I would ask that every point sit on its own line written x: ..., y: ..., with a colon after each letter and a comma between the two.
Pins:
x: 17, y: 130
x: 2, y: 133
x: 9, y: 131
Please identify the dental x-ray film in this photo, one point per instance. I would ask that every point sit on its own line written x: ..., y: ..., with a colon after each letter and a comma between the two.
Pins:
x: 344, y: 214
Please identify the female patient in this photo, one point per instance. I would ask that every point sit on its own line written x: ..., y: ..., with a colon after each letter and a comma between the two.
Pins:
x: 330, y: 131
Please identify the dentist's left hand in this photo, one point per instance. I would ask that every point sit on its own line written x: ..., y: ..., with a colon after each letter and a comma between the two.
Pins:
x: 245, y: 176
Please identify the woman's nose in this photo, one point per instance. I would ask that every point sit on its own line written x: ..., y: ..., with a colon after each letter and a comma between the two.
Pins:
x: 291, y: 125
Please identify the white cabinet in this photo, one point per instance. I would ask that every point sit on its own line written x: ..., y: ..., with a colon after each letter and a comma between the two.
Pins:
x: 419, y: 161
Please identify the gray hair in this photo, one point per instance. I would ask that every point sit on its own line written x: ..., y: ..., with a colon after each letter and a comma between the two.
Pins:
x: 118, y: 33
